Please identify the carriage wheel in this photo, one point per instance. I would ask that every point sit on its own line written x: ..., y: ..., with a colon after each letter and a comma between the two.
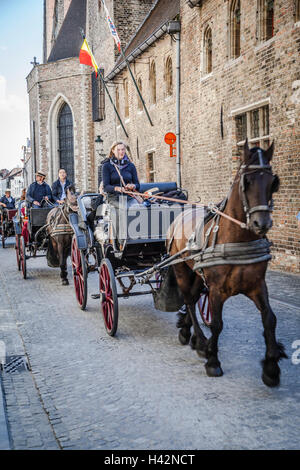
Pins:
x: 204, y: 308
x: 23, y: 257
x: 79, y: 274
x: 108, y: 297
x: 18, y: 255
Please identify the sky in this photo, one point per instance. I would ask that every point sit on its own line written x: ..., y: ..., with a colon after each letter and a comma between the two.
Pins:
x: 21, y: 38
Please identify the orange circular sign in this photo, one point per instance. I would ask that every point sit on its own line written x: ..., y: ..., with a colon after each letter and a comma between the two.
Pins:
x: 170, y: 138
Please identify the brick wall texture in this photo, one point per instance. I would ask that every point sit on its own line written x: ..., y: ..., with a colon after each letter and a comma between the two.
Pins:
x: 265, y: 73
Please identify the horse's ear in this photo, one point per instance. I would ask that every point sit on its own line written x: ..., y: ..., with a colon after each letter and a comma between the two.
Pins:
x: 270, y: 151
x: 247, y: 153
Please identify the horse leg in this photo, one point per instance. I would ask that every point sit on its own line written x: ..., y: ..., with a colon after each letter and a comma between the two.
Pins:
x: 274, y: 350
x: 190, y: 285
x: 184, y: 322
x: 199, y: 340
x: 63, y: 264
x: 213, y: 365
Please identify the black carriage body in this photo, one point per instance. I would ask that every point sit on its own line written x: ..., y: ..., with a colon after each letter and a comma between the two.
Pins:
x: 7, y: 225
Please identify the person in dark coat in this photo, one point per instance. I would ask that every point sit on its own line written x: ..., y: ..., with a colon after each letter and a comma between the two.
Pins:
x: 60, y: 186
x: 7, y: 200
x: 119, y: 173
x: 112, y: 183
x: 38, y: 191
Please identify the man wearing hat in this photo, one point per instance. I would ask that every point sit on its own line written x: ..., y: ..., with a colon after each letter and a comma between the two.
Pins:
x: 38, y: 191
x: 7, y: 201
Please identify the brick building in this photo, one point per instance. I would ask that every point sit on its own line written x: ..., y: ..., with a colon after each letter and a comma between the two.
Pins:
x: 240, y: 77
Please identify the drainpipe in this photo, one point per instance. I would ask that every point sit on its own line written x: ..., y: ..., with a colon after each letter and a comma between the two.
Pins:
x: 174, y: 29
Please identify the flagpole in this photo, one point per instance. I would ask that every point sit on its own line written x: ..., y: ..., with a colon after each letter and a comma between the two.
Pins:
x: 118, y: 42
x: 136, y: 85
x: 104, y: 84
x: 111, y: 100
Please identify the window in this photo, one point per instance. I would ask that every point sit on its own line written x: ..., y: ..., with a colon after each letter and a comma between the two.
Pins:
x: 169, y: 77
x: 253, y: 124
x: 150, y: 168
x: 207, y: 51
x: 297, y: 11
x: 66, y: 146
x: 98, y: 97
x: 140, y: 87
x: 117, y: 99
x: 266, y: 19
x: 153, y: 83
x: 235, y: 29
x: 126, y: 98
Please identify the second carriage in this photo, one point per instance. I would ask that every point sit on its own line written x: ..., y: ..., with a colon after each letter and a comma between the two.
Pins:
x: 136, y: 258
x: 31, y: 239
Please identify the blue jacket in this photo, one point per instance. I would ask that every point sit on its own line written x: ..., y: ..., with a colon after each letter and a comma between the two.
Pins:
x: 9, y: 205
x: 36, y: 192
x: 57, y: 189
x: 112, y: 179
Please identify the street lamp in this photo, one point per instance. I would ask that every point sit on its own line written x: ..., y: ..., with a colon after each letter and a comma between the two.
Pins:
x: 102, y: 156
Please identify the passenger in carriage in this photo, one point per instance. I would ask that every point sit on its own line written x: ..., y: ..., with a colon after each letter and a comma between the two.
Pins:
x: 119, y: 164
x: 38, y: 191
x: 60, y: 186
x: 119, y: 173
x: 7, y: 200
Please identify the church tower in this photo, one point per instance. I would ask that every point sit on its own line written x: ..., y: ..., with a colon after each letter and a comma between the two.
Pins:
x: 54, y: 14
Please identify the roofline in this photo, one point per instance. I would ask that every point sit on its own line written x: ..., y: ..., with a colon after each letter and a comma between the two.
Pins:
x: 157, y: 34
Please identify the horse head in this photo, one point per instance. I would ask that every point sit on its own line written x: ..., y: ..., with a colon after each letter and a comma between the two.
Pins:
x: 257, y: 185
x: 71, y: 204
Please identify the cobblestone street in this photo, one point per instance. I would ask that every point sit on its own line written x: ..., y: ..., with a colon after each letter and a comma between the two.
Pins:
x: 140, y: 389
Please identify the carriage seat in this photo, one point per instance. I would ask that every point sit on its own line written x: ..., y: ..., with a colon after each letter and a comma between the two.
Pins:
x: 163, y: 187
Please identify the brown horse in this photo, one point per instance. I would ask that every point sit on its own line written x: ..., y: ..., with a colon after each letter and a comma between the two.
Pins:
x: 249, y: 201
x: 60, y: 234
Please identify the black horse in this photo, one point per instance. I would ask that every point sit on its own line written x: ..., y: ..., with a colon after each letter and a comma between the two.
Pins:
x: 243, y: 272
x: 60, y: 234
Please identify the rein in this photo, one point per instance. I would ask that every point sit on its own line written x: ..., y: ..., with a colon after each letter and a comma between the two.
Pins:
x: 212, y: 207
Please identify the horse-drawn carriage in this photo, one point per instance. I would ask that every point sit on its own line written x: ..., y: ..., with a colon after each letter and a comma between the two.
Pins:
x: 6, y: 225
x: 31, y: 239
x: 124, y: 250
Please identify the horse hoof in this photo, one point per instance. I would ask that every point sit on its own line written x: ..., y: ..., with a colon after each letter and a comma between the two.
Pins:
x: 270, y: 381
x: 65, y: 282
x: 184, y: 340
x: 214, y: 371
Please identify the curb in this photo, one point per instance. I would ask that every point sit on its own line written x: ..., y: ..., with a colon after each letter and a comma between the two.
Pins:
x: 4, y: 435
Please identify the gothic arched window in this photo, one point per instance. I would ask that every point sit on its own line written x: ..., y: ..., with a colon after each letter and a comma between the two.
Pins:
x: 140, y: 87
x: 266, y: 19
x: 297, y: 10
x: 169, y: 77
x: 126, y: 98
x: 66, y: 145
x: 152, y: 83
x: 207, y: 51
x: 235, y: 29
x: 117, y: 99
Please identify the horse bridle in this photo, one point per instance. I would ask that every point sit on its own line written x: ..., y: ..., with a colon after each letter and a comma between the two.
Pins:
x: 262, y: 167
